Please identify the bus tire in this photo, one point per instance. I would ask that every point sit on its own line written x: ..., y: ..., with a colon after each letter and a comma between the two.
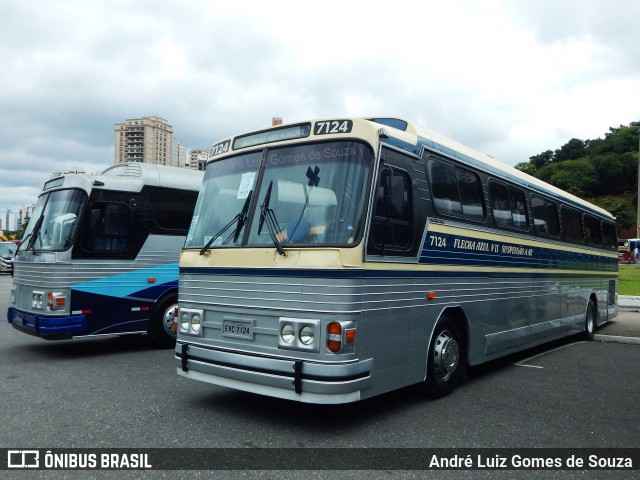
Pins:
x: 589, y: 322
x: 161, y: 322
x: 447, y: 363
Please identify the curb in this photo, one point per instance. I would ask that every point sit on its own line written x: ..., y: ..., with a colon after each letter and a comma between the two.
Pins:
x: 616, y: 339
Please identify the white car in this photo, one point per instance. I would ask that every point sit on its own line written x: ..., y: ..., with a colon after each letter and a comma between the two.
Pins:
x: 7, y: 252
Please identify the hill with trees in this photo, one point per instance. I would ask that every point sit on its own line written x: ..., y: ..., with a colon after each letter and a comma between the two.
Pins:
x: 603, y: 171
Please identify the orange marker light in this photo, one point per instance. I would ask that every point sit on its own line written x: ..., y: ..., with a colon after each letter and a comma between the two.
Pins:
x: 151, y: 280
x: 432, y: 295
x: 350, y: 336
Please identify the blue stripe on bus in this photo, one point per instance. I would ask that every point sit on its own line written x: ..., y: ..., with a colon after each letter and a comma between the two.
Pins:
x: 133, y: 283
x: 446, y: 249
x: 360, y: 273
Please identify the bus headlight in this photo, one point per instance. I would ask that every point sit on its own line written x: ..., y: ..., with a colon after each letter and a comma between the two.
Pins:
x: 196, y: 323
x: 184, y: 322
x: 287, y: 333
x: 299, y: 334
x: 191, y: 322
x: 37, y: 300
x: 306, y: 335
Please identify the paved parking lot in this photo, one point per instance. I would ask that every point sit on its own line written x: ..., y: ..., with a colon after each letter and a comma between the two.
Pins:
x: 124, y: 393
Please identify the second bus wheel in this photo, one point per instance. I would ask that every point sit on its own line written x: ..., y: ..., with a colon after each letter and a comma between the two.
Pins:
x: 161, y: 322
x: 447, y: 360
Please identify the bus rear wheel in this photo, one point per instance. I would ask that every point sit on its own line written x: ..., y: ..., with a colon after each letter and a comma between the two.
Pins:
x: 161, y: 322
x: 590, y: 322
x: 447, y: 363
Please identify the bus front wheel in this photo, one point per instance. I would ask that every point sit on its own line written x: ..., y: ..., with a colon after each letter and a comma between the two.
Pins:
x: 161, y: 322
x: 447, y: 362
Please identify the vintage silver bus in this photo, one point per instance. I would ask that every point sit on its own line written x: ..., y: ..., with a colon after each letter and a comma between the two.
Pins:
x: 100, y: 254
x: 332, y: 260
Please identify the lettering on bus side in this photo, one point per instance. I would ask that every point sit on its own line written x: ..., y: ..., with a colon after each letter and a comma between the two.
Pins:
x: 332, y: 126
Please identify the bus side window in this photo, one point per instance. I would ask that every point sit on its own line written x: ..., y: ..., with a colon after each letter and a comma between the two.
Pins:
x: 107, y: 228
x: 545, y: 216
x: 456, y: 191
x: 592, y: 230
x: 509, y: 206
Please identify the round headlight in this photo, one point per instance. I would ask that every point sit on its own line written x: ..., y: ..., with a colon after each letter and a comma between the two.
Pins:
x: 195, y: 323
x: 184, y: 322
x: 287, y: 333
x: 306, y: 335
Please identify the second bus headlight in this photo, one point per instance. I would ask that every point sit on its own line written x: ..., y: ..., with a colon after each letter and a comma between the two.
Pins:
x: 306, y: 335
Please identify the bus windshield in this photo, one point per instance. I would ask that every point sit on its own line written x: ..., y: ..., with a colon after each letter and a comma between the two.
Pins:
x: 313, y: 194
x: 53, y: 224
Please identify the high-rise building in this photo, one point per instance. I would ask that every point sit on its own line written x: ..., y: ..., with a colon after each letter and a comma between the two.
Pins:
x: 198, y: 159
x: 179, y: 154
x: 145, y: 140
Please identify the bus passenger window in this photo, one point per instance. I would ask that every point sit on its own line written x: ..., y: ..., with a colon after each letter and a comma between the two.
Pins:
x: 592, y: 230
x: 610, y: 236
x: 571, y: 224
x: 509, y: 206
x: 545, y: 216
x: 455, y: 191
x: 107, y: 229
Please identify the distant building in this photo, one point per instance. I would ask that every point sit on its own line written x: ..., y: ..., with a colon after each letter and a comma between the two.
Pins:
x: 144, y: 140
x: 179, y: 154
x: 198, y: 159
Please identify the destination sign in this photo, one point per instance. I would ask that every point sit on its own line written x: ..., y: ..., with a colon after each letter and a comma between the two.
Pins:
x: 275, y: 135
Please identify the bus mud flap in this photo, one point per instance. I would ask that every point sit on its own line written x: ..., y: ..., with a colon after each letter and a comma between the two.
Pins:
x: 185, y: 347
x: 297, y: 376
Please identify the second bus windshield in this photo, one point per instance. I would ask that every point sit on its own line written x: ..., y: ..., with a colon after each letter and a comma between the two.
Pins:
x: 316, y: 194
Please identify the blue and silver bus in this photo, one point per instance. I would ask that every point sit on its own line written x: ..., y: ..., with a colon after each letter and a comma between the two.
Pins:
x: 333, y: 260
x: 100, y: 254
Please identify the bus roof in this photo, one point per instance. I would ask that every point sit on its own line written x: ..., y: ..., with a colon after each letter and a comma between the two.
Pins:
x: 157, y: 175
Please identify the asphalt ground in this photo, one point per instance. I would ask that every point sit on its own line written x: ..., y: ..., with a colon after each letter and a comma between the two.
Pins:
x: 625, y: 327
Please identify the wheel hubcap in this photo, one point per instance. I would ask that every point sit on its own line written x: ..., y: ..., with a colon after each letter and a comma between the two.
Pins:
x: 446, y: 355
x: 167, y: 321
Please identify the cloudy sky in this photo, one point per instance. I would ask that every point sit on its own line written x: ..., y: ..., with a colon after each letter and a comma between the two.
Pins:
x: 508, y: 78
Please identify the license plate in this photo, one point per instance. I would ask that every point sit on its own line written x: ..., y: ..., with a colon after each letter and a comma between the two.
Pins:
x: 18, y: 321
x: 237, y: 329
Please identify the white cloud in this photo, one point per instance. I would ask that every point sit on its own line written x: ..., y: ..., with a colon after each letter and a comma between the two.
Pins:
x: 510, y: 79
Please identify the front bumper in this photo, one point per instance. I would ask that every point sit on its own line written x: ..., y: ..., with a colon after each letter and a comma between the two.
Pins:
x: 294, y: 379
x: 52, y: 328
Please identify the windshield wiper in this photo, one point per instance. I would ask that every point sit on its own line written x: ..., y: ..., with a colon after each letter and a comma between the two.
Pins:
x: 267, y: 215
x: 34, y: 234
x: 240, y: 218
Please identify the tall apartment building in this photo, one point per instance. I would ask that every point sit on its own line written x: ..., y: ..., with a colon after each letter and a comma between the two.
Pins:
x: 198, y: 159
x: 145, y: 140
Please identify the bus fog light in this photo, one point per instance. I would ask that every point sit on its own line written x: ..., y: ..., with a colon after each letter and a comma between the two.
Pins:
x: 196, y: 323
x: 287, y: 333
x: 306, y: 335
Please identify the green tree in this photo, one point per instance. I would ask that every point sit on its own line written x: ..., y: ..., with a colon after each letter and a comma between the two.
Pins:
x: 542, y: 159
x: 578, y: 177
x: 624, y: 212
x: 572, y: 150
